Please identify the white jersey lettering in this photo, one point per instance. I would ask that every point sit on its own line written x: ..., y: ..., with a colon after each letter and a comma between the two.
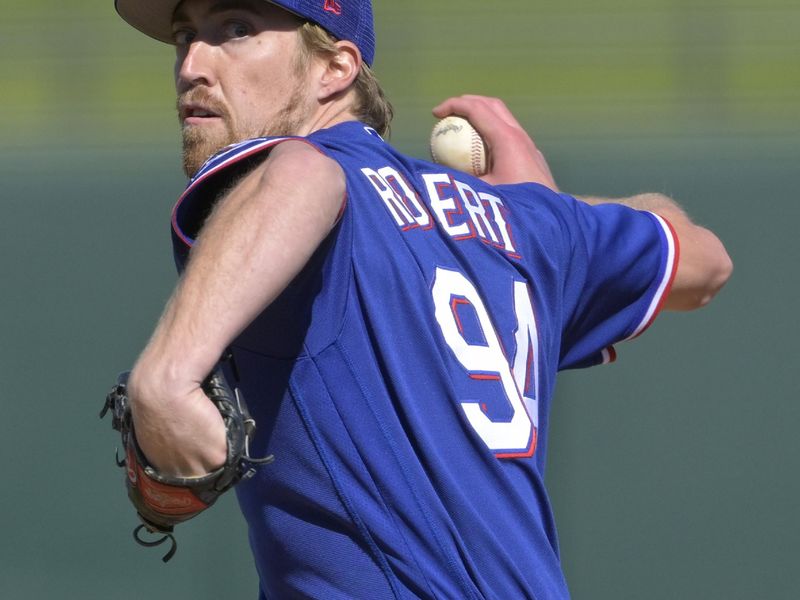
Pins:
x: 460, y: 210
x: 516, y: 437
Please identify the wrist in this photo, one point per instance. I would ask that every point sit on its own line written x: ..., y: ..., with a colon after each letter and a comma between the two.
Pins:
x: 177, y: 427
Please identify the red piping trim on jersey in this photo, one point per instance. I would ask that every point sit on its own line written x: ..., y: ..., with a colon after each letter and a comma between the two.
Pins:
x: 534, y: 430
x: 485, y: 376
x: 529, y: 452
x: 189, y: 242
x: 454, y: 302
x: 609, y: 355
x: 676, y: 254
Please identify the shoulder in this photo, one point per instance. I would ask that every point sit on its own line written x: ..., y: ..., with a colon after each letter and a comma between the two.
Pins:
x: 299, y: 152
x: 256, y: 153
x: 302, y: 164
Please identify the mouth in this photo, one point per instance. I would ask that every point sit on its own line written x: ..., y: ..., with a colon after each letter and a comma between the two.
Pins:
x: 195, y: 114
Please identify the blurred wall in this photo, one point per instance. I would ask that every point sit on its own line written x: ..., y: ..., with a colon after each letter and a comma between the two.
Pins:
x: 672, y: 472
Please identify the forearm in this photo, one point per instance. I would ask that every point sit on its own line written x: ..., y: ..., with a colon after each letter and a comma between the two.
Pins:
x: 657, y: 203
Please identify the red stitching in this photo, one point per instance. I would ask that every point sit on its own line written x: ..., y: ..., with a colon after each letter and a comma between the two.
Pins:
x: 477, y: 153
x: 333, y: 6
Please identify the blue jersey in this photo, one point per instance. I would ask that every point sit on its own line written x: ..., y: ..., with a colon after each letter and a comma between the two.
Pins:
x: 403, y: 380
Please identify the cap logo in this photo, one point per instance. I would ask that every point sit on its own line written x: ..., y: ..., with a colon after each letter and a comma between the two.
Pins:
x: 333, y: 6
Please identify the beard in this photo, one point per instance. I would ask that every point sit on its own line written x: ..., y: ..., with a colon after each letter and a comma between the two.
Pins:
x: 200, y: 142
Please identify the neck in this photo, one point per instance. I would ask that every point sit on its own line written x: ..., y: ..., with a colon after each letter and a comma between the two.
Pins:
x: 330, y: 113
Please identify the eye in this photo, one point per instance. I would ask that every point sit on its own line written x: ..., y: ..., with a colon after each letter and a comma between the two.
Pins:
x: 183, y: 37
x: 237, y: 29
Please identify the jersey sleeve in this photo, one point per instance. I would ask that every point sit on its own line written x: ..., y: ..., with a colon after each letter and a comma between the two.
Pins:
x: 621, y: 266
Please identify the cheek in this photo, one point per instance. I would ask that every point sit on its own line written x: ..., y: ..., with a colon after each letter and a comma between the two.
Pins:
x: 264, y: 79
x: 262, y: 90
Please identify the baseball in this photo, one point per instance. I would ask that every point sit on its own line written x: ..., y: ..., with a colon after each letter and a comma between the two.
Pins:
x: 456, y: 144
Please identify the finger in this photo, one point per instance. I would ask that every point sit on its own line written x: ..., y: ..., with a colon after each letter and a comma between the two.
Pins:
x: 513, y: 155
x: 497, y: 106
x: 483, y: 118
x: 493, y: 121
x: 475, y: 108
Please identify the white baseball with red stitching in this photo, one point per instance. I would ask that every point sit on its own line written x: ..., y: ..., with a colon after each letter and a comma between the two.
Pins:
x: 456, y: 144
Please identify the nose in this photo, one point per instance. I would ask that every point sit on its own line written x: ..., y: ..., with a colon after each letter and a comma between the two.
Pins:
x: 194, y: 66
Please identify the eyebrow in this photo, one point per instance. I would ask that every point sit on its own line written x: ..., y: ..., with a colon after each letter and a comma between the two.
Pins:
x: 180, y: 14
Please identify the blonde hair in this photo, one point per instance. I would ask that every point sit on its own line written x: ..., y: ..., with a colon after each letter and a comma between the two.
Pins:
x: 372, y: 107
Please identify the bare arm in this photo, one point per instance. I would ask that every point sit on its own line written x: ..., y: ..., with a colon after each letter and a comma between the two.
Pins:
x: 704, y: 265
x: 256, y: 241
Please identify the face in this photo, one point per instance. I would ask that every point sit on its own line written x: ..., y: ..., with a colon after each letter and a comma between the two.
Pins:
x: 238, y: 75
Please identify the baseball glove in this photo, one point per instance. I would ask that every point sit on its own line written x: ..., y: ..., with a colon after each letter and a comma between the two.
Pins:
x: 162, y: 501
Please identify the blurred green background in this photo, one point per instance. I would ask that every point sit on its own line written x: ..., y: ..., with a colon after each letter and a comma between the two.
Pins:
x: 673, y: 472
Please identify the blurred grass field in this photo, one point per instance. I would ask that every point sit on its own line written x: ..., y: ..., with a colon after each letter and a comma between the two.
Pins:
x: 74, y: 73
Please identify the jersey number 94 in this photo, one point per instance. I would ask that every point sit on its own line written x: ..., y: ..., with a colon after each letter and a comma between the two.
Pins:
x: 507, y: 438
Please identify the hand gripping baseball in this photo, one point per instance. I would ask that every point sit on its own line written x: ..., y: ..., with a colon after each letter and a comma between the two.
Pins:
x: 513, y: 157
x: 162, y: 501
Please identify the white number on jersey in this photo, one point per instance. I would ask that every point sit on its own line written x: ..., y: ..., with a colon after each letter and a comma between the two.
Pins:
x: 517, y: 436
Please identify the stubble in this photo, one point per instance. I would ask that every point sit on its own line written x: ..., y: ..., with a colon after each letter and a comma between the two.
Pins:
x: 200, y: 143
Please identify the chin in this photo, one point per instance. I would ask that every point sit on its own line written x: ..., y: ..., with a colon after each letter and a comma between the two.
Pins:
x: 199, y: 147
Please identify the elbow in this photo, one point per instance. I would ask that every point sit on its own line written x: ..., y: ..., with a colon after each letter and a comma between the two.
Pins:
x: 702, y: 273
x: 718, y: 268
x: 724, y: 270
x: 718, y: 275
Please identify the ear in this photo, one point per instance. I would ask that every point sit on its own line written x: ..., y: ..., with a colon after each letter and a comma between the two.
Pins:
x: 340, y: 70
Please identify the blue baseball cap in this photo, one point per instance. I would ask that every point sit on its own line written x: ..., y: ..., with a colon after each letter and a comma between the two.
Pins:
x: 349, y: 20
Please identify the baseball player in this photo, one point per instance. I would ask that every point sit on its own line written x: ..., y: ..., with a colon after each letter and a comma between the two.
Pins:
x: 395, y: 326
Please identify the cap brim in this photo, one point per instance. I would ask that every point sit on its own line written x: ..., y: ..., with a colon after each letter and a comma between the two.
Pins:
x: 154, y: 17
x: 151, y: 17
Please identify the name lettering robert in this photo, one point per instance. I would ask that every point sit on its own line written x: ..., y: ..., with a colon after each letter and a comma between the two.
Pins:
x: 461, y: 211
